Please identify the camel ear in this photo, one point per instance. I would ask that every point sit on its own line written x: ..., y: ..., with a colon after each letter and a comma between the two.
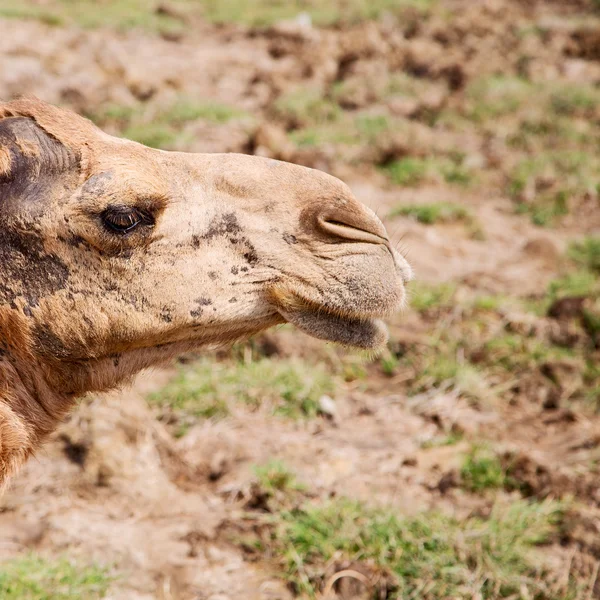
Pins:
x: 30, y: 160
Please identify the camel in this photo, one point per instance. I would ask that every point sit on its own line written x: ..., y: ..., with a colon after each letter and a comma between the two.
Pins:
x: 115, y: 257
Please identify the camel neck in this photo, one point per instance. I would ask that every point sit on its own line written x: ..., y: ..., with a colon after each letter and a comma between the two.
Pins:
x: 25, y: 419
x: 29, y: 408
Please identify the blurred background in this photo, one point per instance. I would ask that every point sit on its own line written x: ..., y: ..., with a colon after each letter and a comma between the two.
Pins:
x: 463, y: 462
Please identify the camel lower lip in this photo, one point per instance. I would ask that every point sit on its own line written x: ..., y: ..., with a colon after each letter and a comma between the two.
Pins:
x: 360, y: 333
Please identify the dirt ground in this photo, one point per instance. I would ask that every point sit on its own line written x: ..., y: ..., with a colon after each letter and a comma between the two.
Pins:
x: 164, y: 512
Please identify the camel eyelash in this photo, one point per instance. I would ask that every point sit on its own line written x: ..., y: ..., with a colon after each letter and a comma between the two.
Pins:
x: 125, y: 219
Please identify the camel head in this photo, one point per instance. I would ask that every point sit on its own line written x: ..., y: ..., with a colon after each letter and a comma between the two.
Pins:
x: 109, y: 247
x: 114, y: 256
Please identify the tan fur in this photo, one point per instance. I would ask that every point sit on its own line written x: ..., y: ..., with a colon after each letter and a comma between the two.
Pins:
x: 225, y: 246
x: 5, y: 162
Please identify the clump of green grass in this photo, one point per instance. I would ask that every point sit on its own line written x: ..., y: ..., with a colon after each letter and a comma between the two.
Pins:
x: 426, y: 296
x: 455, y: 172
x: 208, y: 388
x: 154, y: 135
x: 545, y: 185
x: 339, y: 132
x: 490, y: 303
x: 306, y: 107
x: 451, y: 439
x: 546, y: 212
x: 323, y: 13
x: 482, y: 470
x: 412, y: 170
x: 582, y: 281
x: 408, y: 171
x: 524, y: 172
x: 481, y: 348
x: 185, y: 110
x: 441, y: 363
x: 448, y: 370
x: 434, y: 212
x: 552, y: 131
x: 496, y: 96
x: 404, y: 84
x: 372, y: 126
x: 389, y: 363
x: 352, y: 367
x: 592, y: 382
x: 127, y: 14
x: 429, y: 556
x: 441, y: 212
x: 34, y: 578
x: 363, y: 130
x: 591, y: 322
x: 275, y: 477
x: 586, y: 253
x: 23, y: 10
x: 163, y: 128
x: 576, y: 283
x: 515, y: 352
x: 118, y: 14
x: 574, y: 100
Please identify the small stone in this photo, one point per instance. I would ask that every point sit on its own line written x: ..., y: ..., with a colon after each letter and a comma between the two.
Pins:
x: 300, y: 28
x: 327, y: 406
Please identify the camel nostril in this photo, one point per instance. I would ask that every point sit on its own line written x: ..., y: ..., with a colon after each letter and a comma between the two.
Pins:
x: 355, y: 228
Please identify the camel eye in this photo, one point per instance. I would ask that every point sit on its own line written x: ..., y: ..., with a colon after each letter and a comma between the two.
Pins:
x: 124, y: 219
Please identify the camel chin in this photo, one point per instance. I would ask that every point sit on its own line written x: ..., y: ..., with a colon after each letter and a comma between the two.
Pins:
x: 365, y: 334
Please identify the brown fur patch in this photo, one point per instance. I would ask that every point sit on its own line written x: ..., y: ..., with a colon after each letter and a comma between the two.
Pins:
x: 28, y: 271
